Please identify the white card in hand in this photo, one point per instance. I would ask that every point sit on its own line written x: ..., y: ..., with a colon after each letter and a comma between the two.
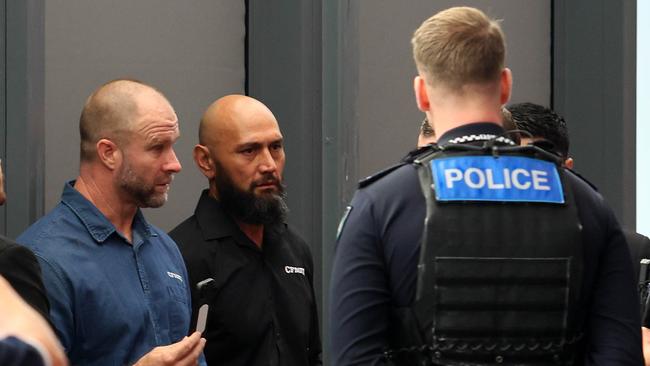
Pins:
x: 202, y: 318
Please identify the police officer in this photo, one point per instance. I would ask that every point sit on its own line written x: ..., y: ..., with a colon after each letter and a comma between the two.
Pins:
x: 517, y: 262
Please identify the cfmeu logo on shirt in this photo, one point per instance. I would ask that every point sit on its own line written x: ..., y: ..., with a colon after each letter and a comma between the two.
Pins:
x: 290, y: 270
x: 503, y: 178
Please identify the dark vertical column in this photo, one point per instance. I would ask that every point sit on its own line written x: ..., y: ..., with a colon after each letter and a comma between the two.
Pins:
x: 594, y: 88
x: 3, y: 116
x: 24, y: 112
x: 340, y: 127
x: 284, y: 72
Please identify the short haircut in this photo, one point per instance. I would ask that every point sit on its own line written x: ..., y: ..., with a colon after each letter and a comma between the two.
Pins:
x: 459, y: 46
x: 542, y: 122
x: 108, y: 113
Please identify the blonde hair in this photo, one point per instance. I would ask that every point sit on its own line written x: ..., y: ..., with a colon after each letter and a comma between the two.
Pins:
x: 459, y: 46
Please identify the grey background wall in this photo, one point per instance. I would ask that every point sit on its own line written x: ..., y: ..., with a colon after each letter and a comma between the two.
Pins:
x: 192, y: 53
x: 388, y: 117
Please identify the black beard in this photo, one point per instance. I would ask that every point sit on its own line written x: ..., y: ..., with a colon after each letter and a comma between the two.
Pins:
x: 245, y: 206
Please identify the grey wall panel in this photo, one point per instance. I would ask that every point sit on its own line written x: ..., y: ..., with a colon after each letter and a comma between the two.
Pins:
x: 387, y: 115
x: 24, y: 110
x: 284, y: 71
x: 3, y: 96
x: 595, y: 79
x: 193, y: 53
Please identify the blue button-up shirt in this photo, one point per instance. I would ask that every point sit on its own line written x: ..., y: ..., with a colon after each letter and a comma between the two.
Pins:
x: 111, y: 301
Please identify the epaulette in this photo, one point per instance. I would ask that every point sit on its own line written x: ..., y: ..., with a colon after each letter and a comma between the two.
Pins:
x: 419, y: 152
x: 583, y: 179
x: 408, y: 159
x: 375, y: 177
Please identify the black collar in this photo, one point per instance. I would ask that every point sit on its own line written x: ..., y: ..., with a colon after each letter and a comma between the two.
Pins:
x: 216, y: 223
x: 213, y: 220
x: 474, y: 132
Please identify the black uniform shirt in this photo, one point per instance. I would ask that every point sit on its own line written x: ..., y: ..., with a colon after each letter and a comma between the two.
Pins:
x: 375, y: 267
x: 262, y: 307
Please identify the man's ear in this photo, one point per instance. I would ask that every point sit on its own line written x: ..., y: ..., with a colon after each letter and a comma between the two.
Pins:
x: 109, y: 153
x: 421, y: 95
x: 203, y: 160
x: 506, y: 85
x: 568, y: 163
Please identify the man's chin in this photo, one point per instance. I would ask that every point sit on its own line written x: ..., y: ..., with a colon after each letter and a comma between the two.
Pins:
x: 155, y: 200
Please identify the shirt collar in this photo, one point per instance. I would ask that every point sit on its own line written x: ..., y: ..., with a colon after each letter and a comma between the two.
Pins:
x: 216, y: 223
x: 209, y: 213
x: 480, y: 131
x: 99, y: 227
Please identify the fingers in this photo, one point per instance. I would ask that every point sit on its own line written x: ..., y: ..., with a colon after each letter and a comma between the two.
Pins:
x: 184, y: 347
x: 182, y: 353
x: 58, y: 357
x: 194, y: 353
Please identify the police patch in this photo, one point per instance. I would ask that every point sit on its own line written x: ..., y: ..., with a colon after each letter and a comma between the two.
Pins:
x: 503, y: 178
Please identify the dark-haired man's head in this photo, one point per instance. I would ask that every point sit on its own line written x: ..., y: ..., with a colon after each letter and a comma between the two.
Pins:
x: 547, y: 128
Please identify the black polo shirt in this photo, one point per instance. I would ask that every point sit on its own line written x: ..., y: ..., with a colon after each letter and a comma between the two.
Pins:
x: 262, y: 305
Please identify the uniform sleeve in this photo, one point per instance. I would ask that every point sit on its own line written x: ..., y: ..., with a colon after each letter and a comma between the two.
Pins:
x: 21, y: 269
x: 613, y: 328
x: 359, y: 290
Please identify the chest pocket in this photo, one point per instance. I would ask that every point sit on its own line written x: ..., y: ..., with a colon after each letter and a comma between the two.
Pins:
x: 178, y: 306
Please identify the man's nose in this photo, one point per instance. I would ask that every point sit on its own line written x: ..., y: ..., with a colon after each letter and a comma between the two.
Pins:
x: 172, y: 165
x: 267, y: 162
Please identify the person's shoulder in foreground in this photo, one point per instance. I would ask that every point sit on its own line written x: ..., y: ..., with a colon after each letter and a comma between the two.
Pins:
x: 20, y: 267
x: 27, y: 339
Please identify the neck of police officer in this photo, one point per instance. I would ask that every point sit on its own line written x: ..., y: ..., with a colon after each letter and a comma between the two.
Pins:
x: 450, y: 109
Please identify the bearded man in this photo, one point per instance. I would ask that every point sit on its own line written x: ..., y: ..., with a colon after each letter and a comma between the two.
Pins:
x: 256, y: 273
x: 117, y: 285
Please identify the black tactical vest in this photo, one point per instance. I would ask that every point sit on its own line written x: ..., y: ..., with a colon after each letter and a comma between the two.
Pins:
x: 498, y: 281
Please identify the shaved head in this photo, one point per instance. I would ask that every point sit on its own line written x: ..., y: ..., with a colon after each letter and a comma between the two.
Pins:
x: 241, y: 152
x: 109, y: 112
x: 227, y: 113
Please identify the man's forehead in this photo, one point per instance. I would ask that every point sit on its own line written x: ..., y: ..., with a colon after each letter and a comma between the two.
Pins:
x: 155, y: 129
